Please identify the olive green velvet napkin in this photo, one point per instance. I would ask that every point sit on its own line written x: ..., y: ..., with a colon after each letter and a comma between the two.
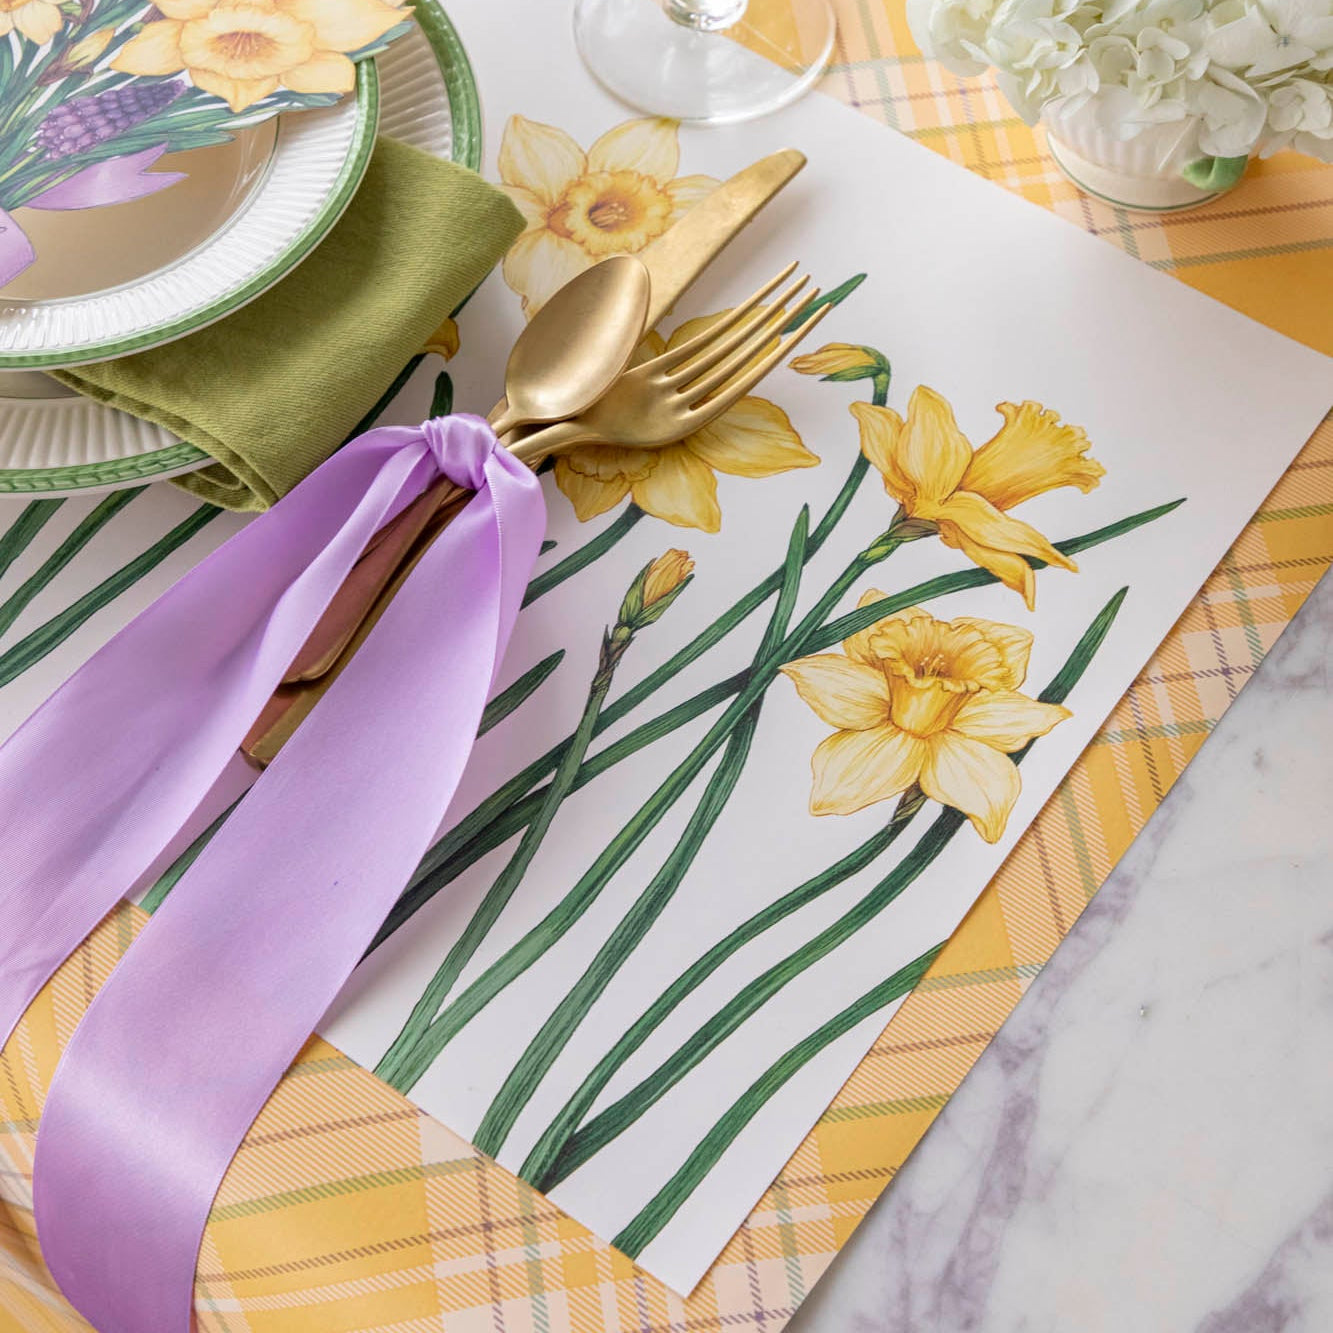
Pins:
x: 272, y: 390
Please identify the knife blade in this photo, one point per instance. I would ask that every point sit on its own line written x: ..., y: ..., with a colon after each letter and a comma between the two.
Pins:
x: 677, y: 257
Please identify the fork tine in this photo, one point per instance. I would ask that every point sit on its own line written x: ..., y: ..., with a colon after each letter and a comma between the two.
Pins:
x: 700, y: 386
x: 700, y: 414
x: 770, y: 318
x: 669, y: 360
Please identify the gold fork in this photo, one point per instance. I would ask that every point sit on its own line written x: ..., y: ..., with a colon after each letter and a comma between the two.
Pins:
x: 654, y: 404
x: 663, y: 400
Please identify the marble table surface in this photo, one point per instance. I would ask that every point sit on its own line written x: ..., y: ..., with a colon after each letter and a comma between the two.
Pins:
x: 1148, y: 1144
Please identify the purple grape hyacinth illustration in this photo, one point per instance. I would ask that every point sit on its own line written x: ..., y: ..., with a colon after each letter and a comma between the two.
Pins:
x: 91, y: 97
x: 83, y: 122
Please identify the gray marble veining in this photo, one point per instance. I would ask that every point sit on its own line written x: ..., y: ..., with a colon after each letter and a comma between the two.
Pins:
x: 1148, y: 1144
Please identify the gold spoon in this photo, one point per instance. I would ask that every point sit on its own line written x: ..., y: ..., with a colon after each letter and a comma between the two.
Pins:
x: 576, y: 346
x: 570, y: 354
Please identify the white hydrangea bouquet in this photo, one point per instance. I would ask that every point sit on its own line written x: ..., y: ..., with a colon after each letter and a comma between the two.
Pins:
x: 1157, y: 103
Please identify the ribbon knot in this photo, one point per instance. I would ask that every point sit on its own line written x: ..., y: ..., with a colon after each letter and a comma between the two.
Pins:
x: 462, y: 445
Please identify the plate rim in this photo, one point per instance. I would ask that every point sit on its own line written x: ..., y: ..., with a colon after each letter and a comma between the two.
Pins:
x: 179, y: 457
x: 349, y: 178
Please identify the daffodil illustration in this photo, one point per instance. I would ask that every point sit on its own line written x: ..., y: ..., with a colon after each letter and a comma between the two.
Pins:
x: 841, y: 362
x: 445, y: 341
x: 678, y: 484
x: 581, y: 207
x: 665, y: 575
x: 37, y: 20
x: 243, y: 50
x: 931, y: 469
x: 923, y: 702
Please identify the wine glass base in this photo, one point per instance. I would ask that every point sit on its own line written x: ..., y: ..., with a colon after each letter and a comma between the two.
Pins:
x: 658, y: 64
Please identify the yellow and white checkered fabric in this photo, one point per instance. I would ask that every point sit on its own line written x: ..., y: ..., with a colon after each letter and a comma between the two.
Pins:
x: 349, y: 1211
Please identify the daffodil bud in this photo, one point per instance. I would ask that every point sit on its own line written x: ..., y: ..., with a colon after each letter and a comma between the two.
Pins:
x: 842, y: 362
x: 665, y: 575
x: 85, y: 52
x: 658, y: 585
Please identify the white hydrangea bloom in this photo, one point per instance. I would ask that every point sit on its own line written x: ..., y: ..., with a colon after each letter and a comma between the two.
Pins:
x: 1276, y: 35
x: 1243, y: 74
x: 1300, y: 116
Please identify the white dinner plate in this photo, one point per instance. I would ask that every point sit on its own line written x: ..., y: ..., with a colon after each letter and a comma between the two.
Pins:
x: 53, y: 442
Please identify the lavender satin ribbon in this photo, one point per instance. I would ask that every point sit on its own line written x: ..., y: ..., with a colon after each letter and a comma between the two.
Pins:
x: 115, y: 181
x: 183, y: 1045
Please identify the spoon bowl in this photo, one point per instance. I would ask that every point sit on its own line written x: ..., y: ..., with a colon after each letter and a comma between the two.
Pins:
x: 552, y: 374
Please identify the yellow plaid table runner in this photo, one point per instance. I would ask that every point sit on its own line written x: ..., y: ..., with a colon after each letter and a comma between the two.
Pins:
x: 349, y: 1211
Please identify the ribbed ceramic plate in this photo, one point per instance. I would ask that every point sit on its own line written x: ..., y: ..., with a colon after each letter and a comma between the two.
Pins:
x: 108, y: 282
x: 54, y: 443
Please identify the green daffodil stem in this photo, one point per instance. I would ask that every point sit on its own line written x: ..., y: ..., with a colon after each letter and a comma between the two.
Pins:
x: 561, y: 918
x: 49, y: 635
x: 863, y: 617
x: 21, y: 532
x: 517, y: 694
x: 621, y: 1114
x: 493, y: 818
x: 644, y: 604
x: 666, y: 1203
x: 507, y: 809
x: 538, y: 1167
x: 88, y: 528
x: 545, y: 1048
x: 586, y: 554
x: 398, y: 1058
x: 172, y: 876
x: 554, y: 1034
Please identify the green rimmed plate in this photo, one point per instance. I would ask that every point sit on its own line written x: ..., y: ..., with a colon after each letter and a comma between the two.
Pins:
x: 111, y: 281
x: 52, y: 443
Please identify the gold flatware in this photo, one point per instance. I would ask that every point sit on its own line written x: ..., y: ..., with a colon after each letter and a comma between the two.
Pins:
x: 567, y: 357
x: 575, y: 347
x: 683, y: 390
x: 650, y: 406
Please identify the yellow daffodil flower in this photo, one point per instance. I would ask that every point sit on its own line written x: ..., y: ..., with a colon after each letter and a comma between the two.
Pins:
x: 37, y: 20
x: 678, y: 483
x: 930, y: 468
x: 923, y: 702
x: 580, y: 207
x: 243, y: 50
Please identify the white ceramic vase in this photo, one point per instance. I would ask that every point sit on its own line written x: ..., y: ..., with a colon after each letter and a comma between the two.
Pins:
x: 1142, y: 173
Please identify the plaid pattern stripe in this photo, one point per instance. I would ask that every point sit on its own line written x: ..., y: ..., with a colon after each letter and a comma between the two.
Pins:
x: 349, y: 1211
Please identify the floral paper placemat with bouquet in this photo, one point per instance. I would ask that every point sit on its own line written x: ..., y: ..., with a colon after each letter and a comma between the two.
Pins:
x: 93, y: 93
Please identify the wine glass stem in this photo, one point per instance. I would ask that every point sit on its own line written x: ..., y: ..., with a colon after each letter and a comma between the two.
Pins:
x: 706, y: 15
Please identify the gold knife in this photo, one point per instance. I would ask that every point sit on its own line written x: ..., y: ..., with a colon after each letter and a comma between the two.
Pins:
x: 674, y: 261
x: 677, y: 257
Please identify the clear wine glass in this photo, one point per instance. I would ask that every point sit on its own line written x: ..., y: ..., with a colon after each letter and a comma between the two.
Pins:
x: 705, y: 60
